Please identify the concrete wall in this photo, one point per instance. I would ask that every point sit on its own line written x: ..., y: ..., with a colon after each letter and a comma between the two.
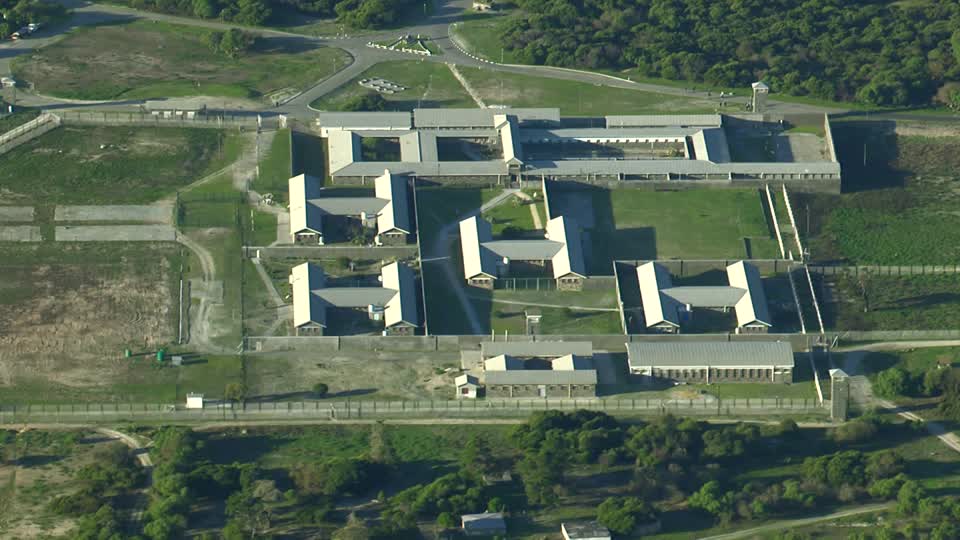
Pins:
x: 692, y: 267
x: 533, y: 391
x: 332, y: 252
x: 819, y: 185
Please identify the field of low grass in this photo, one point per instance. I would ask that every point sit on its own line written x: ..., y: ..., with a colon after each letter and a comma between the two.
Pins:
x: 112, y: 165
x: 900, y: 209
x: 150, y: 59
x: 696, y: 224
x: 575, y: 98
x: 515, y: 214
x: 920, y: 302
x: 428, y: 84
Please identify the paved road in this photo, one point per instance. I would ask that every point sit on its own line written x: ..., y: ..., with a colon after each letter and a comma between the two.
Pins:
x: 437, y: 27
x: 792, y: 524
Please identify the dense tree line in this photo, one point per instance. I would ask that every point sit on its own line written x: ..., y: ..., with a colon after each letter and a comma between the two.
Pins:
x: 876, y: 52
x: 370, y: 14
x: 18, y: 13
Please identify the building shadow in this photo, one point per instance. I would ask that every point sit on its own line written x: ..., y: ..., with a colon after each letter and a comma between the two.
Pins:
x: 867, y: 151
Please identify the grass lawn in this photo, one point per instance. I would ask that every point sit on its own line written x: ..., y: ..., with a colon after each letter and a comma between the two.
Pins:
x: 514, y: 214
x: 695, y: 224
x: 505, y: 310
x: 917, y: 302
x: 428, y: 84
x: 574, y: 98
x: 438, y: 206
x: 113, y: 165
x: 144, y: 59
x: 275, y: 168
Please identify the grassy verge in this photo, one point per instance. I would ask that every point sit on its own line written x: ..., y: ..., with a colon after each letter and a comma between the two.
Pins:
x: 116, y: 165
x: 22, y: 116
x: 428, y: 84
x: 144, y: 59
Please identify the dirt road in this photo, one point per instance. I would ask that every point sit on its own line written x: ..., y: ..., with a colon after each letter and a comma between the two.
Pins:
x: 791, y: 524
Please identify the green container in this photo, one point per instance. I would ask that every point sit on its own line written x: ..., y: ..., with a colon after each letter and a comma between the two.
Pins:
x: 160, y: 354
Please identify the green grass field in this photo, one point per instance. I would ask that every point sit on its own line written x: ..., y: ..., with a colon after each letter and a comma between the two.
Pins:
x: 574, y: 98
x: 514, y: 214
x: 694, y: 224
x: 428, y: 84
x: 144, y: 59
x: 114, y: 165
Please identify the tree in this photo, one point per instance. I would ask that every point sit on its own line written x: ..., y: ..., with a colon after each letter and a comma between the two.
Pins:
x: 496, y: 504
x: 622, y: 515
x: 712, y: 500
x: 893, y: 382
x: 235, y: 392
x: 252, y: 12
x: 205, y: 9
x: 320, y: 389
x: 369, y: 101
x: 446, y: 521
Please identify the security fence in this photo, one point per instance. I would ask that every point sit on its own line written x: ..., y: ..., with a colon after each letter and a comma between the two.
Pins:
x: 340, y: 409
x: 209, y: 120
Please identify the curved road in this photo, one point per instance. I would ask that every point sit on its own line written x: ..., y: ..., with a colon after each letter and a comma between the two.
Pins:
x: 437, y: 27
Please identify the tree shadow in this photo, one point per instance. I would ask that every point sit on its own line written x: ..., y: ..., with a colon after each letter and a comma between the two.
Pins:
x: 37, y: 460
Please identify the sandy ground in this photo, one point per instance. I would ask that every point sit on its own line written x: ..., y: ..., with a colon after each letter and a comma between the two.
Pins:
x: 20, y: 233
x: 116, y: 233
x: 155, y: 213
x: 16, y: 213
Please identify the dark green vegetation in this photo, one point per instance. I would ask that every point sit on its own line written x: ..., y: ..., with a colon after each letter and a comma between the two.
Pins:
x: 900, y: 209
x: 415, y: 481
x: 122, y: 165
x: 142, y: 60
x: 879, y: 302
x: 880, y: 53
x: 927, y: 378
x: 19, y: 13
x: 354, y: 13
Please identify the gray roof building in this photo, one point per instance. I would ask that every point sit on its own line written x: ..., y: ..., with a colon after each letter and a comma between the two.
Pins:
x: 487, y: 523
x: 364, y: 120
x: 584, y: 530
x: 715, y: 354
x: 311, y: 296
x: 567, y: 369
x: 662, y: 301
x: 482, y: 254
x: 478, y: 118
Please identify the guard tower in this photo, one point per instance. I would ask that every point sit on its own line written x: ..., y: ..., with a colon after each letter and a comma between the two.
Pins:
x: 839, y: 395
x: 758, y: 103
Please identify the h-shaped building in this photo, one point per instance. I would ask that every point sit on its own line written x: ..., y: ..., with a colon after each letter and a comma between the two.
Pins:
x: 665, y: 306
x: 486, y: 259
x: 394, y: 301
x: 533, y: 142
x: 388, y: 210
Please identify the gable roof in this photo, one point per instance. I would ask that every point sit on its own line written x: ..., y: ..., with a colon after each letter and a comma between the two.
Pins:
x: 465, y: 379
x: 710, y: 353
x: 477, y: 260
x: 752, y: 307
x: 364, y: 120
x: 396, y: 213
x: 307, y: 307
x: 657, y: 309
x: 569, y: 259
x: 402, y: 308
x: 304, y: 216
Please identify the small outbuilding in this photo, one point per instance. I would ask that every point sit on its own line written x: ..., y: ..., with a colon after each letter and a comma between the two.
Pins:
x: 588, y: 530
x: 485, y: 524
x: 467, y: 386
x: 194, y: 401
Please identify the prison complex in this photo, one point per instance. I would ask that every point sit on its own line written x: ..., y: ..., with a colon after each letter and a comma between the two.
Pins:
x: 710, y: 362
x: 537, y: 143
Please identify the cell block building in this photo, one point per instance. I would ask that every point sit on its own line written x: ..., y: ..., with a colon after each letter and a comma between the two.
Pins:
x: 486, y: 259
x: 711, y: 362
x: 394, y: 302
x: 388, y: 211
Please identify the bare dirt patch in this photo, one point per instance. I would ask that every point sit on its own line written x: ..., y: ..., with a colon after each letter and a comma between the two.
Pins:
x: 68, y: 324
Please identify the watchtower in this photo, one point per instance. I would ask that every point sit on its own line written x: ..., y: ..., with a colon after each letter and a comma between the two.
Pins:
x: 758, y: 103
x: 839, y: 395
